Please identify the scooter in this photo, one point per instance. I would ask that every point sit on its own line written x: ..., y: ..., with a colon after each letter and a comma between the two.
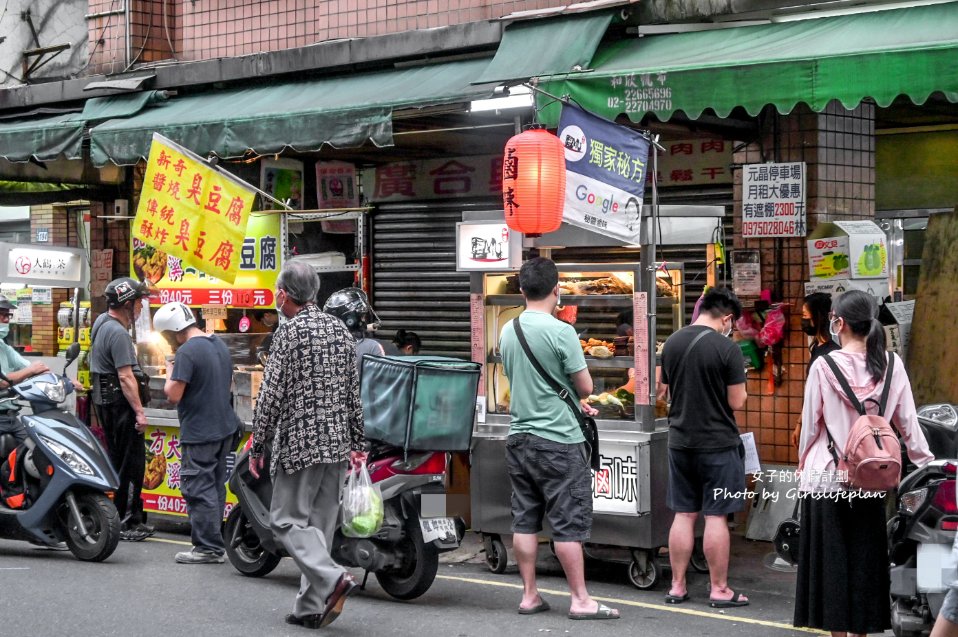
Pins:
x: 403, y: 554
x: 921, y: 535
x: 55, y: 484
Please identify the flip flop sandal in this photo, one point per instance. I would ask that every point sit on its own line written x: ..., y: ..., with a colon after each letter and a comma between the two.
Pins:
x: 729, y: 603
x: 541, y: 607
x: 602, y: 612
x: 676, y: 599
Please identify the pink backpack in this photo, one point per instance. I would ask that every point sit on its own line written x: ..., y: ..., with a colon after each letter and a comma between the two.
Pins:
x: 872, y: 454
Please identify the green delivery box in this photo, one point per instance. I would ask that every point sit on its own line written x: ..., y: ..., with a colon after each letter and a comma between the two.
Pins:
x: 420, y: 403
x: 847, y: 250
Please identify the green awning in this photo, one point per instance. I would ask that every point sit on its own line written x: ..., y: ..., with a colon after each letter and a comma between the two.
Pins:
x: 42, y: 138
x: 343, y: 112
x: 552, y: 46
x: 878, y: 55
x: 114, y: 106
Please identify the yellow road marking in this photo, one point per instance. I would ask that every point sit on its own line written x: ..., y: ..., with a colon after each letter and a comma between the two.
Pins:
x: 166, y: 541
x: 658, y: 607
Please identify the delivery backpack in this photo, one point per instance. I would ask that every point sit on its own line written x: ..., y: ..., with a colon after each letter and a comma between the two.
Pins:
x: 872, y: 454
x: 11, y: 485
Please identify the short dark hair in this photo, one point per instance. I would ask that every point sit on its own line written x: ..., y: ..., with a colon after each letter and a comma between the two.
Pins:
x: 720, y: 301
x: 538, y: 277
x: 819, y: 306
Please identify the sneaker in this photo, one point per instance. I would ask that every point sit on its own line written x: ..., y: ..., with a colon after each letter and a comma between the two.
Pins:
x: 59, y: 546
x: 148, y: 529
x: 129, y: 535
x: 195, y: 556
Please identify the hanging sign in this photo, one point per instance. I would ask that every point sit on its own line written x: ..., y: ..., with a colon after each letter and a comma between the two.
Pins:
x: 101, y: 271
x: 746, y: 272
x: 606, y: 173
x: 487, y: 246
x: 773, y: 200
x: 283, y: 179
x: 260, y: 260
x: 336, y: 187
x: 695, y: 162
x: 193, y: 211
x: 478, y: 176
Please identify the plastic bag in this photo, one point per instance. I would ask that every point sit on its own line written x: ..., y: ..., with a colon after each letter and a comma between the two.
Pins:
x: 773, y: 331
x: 362, y: 505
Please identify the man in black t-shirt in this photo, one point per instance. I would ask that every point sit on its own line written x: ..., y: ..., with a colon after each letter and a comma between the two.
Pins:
x: 704, y: 372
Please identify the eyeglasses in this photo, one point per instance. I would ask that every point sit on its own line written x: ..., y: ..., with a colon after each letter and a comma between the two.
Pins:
x: 5, y: 316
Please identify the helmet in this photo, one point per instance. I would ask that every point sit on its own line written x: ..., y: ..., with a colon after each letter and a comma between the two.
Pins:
x: 7, y: 304
x: 173, y: 317
x: 351, y: 306
x: 119, y: 291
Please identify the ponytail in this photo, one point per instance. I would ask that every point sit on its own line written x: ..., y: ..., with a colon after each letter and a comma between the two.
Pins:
x: 876, y: 360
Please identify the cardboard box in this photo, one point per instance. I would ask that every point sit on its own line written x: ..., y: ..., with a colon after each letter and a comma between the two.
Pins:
x: 835, y: 287
x: 898, y: 318
x: 847, y: 250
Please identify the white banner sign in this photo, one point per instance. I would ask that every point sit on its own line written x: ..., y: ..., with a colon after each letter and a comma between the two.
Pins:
x: 615, y: 484
x: 773, y: 200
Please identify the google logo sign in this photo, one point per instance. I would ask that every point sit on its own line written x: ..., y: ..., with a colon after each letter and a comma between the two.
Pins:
x: 605, y: 204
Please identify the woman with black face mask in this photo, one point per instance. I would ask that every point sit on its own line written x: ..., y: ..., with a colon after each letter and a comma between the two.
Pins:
x: 815, y: 311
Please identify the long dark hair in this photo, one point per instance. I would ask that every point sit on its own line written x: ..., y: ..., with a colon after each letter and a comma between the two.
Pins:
x: 819, y: 305
x: 860, y: 311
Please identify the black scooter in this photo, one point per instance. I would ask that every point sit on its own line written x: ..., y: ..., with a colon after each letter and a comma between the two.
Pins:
x: 55, y: 484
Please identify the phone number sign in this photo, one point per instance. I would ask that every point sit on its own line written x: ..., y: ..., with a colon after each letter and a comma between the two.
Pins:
x: 773, y: 200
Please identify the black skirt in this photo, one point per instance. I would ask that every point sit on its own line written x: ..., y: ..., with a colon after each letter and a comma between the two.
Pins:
x: 843, y: 566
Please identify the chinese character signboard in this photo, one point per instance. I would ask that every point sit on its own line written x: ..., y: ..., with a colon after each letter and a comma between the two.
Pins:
x: 260, y: 260
x: 773, y: 200
x: 101, y: 271
x: 479, y: 176
x: 336, y: 185
x: 615, y: 484
x: 694, y: 162
x: 487, y: 246
x: 746, y: 272
x: 606, y: 172
x: 55, y: 267
x: 191, y: 211
x: 161, y: 481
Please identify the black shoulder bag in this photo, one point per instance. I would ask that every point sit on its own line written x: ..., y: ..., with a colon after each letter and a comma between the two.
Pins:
x: 589, y: 429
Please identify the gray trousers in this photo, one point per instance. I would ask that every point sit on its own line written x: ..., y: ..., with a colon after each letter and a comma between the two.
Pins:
x: 303, y: 515
x: 203, y: 484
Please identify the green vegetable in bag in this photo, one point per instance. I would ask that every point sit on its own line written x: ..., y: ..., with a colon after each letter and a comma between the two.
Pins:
x: 362, y: 505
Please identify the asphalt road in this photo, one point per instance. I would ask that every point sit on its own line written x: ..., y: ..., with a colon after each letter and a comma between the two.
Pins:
x: 141, y: 591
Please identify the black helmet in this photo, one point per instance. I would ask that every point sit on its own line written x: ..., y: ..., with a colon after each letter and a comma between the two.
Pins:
x: 351, y: 306
x: 119, y: 291
x: 7, y: 304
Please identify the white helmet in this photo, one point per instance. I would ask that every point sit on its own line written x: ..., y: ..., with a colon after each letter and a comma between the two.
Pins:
x: 173, y: 317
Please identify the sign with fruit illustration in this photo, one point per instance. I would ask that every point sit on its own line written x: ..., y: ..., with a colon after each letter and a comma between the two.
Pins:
x: 848, y: 250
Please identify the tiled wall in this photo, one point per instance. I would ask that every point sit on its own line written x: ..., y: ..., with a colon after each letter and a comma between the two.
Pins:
x: 225, y: 28
x: 839, y: 149
x: 62, y: 232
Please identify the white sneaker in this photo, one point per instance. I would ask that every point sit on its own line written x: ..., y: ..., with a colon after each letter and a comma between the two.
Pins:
x: 195, y: 556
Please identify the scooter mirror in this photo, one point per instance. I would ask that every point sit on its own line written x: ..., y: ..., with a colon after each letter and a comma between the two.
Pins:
x: 72, y: 353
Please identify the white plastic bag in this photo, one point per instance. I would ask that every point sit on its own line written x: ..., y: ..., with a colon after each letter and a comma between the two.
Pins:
x: 362, y: 505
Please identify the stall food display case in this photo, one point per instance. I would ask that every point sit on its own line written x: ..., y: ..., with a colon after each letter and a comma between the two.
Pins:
x: 631, y: 521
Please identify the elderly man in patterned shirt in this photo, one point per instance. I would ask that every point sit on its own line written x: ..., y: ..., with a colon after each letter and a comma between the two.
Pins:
x: 309, y: 404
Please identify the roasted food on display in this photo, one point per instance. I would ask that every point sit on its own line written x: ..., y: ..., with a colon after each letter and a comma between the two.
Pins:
x: 155, y: 470
x: 149, y: 264
x: 598, y: 349
x: 606, y: 285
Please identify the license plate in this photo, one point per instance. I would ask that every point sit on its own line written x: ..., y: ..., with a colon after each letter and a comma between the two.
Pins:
x: 934, y: 562
x: 437, y: 529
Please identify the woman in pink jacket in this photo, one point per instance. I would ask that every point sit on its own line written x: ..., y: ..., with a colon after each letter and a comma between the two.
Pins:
x: 843, y: 559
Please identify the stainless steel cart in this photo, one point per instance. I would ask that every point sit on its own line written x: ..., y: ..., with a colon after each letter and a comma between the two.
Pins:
x: 631, y: 521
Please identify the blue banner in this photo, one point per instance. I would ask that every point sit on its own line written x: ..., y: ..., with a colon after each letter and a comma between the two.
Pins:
x: 606, y: 168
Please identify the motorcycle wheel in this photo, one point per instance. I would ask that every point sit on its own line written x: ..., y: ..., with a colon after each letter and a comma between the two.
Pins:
x: 698, y: 561
x: 102, y: 524
x: 248, y: 556
x: 420, y: 563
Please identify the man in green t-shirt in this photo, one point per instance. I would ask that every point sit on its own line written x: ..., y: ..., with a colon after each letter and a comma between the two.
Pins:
x: 546, y: 455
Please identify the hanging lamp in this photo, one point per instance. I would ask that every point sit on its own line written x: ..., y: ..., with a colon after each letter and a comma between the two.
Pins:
x: 533, y: 182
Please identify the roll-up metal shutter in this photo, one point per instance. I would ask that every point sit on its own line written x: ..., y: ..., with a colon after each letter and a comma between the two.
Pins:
x: 415, y: 285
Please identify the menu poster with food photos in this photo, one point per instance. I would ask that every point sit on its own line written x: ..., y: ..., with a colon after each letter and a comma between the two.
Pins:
x: 192, y: 210
x: 161, y: 480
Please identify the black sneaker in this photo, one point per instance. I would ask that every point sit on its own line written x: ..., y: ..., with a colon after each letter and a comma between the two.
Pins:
x: 129, y: 535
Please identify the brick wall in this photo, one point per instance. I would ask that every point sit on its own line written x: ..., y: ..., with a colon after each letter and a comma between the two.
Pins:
x: 839, y: 149
x: 60, y: 223
x: 226, y: 28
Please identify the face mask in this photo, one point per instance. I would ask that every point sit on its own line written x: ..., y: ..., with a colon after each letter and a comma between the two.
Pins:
x: 831, y: 328
x: 4, y: 330
x: 727, y: 333
x: 808, y: 328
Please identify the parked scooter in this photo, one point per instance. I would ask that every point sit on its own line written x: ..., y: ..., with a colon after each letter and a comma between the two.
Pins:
x: 403, y: 554
x: 55, y: 483
x: 921, y: 535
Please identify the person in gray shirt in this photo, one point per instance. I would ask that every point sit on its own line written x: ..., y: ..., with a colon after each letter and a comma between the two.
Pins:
x: 351, y: 306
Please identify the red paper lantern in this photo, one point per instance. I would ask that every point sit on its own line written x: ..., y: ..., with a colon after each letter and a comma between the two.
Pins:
x: 533, y: 182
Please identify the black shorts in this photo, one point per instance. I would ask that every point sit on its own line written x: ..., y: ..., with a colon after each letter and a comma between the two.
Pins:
x: 712, y: 482
x: 550, y: 479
